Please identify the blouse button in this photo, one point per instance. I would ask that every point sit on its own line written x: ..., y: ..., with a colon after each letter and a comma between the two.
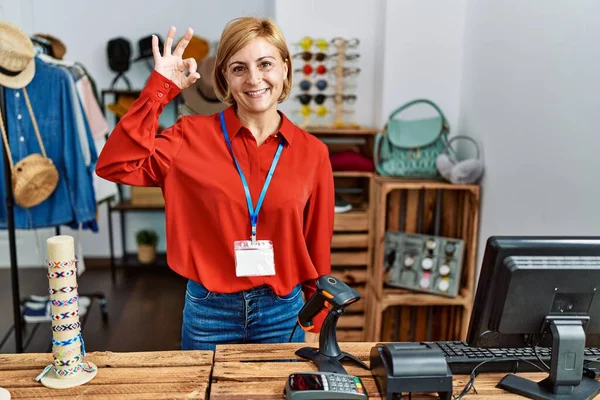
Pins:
x: 167, y: 85
x: 160, y: 94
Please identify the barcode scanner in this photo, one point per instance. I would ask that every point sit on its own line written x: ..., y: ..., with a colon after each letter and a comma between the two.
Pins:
x: 329, y: 290
x: 336, y: 294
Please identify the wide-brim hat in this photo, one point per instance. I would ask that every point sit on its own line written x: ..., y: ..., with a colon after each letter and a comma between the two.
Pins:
x: 145, y: 47
x: 57, y: 47
x: 17, y: 57
x: 197, y: 48
x: 200, y: 96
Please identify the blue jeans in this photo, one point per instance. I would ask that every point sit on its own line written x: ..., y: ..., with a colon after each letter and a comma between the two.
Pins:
x: 251, y: 316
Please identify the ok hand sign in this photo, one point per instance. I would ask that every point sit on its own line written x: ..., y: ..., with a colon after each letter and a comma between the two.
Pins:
x: 171, y: 65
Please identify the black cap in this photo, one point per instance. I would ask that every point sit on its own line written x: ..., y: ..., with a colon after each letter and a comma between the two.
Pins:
x: 145, y: 47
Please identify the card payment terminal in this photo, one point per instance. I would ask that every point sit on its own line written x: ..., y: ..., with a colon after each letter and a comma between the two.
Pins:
x: 324, y: 386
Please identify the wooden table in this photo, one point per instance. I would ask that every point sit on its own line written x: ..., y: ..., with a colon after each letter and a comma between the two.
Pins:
x: 260, y: 372
x: 151, y: 375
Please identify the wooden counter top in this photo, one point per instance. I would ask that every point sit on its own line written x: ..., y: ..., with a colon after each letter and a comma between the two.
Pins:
x: 255, y: 371
x: 126, y: 376
x: 260, y: 371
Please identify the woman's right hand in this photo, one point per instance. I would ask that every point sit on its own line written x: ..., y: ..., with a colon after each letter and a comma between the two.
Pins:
x: 172, y: 66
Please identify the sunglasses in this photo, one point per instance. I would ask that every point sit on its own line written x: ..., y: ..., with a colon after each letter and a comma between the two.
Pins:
x: 308, y: 56
x: 308, y: 69
x: 348, y: 43
x: 321, y: 111
x: 319, y: 99
x: 345, y: 98
x: 305, y: 85
x: 307, y: 42
x: 348, y: 71
x: 305, y: 98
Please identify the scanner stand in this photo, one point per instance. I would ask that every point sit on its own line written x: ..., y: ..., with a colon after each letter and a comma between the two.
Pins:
x: 410, y: 367
x: 328, y: 356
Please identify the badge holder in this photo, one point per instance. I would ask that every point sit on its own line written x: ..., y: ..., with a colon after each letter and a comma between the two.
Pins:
x: 254, y: 257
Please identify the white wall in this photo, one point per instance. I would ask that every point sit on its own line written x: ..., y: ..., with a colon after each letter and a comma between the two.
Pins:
x: 530, y: 94
x: 423, y: 55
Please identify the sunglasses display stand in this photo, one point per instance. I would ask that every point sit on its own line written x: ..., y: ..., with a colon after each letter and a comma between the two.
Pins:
x: 329, y: 71
x: 339, y: 96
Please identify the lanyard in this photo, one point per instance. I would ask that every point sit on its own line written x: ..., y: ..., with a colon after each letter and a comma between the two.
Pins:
x: 253, y: 212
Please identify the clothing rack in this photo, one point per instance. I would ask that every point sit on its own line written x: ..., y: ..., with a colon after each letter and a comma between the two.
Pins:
x: 12, y: 241
x: 14, y: 272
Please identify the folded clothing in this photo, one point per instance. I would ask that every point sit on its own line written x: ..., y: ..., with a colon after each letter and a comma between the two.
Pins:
x: 350, y: 160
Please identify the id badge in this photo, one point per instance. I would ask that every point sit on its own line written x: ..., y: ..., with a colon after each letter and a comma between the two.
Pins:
x: 254, y: 259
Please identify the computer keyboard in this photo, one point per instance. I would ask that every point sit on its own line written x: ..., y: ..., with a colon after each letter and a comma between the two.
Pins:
x: 462, y: 359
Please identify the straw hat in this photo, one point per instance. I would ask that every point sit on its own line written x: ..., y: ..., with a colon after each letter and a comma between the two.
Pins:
x: 17, y: 57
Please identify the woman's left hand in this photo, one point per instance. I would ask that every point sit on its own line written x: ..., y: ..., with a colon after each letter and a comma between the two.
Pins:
x: 311, y: 337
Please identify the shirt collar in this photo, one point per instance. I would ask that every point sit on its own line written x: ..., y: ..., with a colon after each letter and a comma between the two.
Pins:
x: 234, y: 125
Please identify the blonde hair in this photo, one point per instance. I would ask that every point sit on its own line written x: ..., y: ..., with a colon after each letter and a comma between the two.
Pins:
x: 237, y: 34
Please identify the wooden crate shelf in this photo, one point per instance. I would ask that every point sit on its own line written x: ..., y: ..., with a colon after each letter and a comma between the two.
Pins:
x: 351, y: 276
x: 352, y: 242
x: 357, y: 258
x: 408, y: 298
x: 359, y: 131
x: 422, y: 323
x: 428, y: 207
x: 355, y: 220
x: 352, y: 174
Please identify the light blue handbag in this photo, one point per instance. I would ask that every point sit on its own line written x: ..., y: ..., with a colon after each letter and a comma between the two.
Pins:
x: 408, y: 148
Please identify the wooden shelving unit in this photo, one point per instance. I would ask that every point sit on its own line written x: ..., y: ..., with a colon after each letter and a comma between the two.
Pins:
x: 352, y: 244
x: 429, y: 207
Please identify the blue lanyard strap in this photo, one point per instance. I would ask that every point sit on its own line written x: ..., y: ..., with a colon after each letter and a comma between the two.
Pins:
x: 253, y: 212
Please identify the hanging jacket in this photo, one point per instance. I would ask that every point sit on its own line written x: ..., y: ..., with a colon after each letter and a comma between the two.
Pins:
x: 73, y: 202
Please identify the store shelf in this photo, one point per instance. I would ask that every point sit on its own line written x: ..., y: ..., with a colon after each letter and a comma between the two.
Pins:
x: 350, y: 258
x: 430, y: 207
x: 412, y: 184
x: 350, y: 240
x: 400, y: 297
x: 126, y: 205
x: 360, y: 131
x: 352, y: 221
x: 352, y: 174
x: 350, y: 276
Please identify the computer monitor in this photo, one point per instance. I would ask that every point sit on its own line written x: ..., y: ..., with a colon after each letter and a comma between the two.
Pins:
x: 541, y: 291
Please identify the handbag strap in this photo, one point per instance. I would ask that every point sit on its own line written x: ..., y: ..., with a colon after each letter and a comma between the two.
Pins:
x: 35, y: 128
x: 417, y: 101
x: 449, y: 149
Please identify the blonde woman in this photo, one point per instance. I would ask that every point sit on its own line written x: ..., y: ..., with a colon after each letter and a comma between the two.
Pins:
x: 249, y: 197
